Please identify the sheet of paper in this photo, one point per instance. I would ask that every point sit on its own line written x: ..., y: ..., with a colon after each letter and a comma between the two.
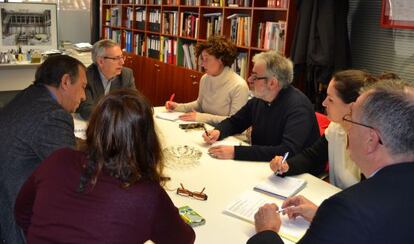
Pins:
x: 172, y: 116
x: 249, y: 202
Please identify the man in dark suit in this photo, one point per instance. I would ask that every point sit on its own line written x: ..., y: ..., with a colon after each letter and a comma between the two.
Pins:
x: 33, y: 125
x: 105, y: 74
x: 378, y: 209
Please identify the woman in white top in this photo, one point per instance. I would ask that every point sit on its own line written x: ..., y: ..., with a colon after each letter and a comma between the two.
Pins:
x: 342, y: 91
x: 222, y: 92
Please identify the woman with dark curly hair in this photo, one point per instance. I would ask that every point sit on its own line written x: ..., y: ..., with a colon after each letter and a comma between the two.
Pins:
x: 222, y: 92
x: 111, y: 191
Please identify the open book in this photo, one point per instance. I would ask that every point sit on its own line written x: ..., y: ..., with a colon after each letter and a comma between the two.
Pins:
x: 249, y: 202
x: 281, y: 186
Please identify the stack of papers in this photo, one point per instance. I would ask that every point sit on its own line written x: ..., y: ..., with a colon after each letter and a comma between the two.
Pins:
x: 281, y: 186
x: 82, y: 46
x: 249, y: 203
x: 171, y: 116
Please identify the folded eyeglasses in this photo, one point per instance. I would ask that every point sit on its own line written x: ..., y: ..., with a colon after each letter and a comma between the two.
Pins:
x: 194, y: 194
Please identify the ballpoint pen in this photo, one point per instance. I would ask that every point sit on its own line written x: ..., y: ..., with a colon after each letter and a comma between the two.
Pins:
x: 283, y: 161
x: 172, y: 97
x: 205, y: 130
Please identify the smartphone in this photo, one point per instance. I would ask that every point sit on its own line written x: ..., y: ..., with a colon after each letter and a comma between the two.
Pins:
x: 190, y: 216
x: 191, y: 126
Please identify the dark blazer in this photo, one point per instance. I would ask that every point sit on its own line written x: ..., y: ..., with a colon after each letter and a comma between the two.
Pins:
x: 377, y: 210
x: 32, y: 126
x: 95, y: 90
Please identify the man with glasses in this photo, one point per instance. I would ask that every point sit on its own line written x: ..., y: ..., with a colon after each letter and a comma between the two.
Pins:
x: 105, y: 74
x: 378, y: 209
x: 282, y: 118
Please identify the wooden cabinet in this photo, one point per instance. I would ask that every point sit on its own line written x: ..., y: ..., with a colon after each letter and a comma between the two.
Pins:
x: 157, y: 80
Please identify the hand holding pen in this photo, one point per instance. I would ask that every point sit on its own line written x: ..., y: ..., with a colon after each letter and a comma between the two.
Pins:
x: 279, y: 164
x: 170, y: 105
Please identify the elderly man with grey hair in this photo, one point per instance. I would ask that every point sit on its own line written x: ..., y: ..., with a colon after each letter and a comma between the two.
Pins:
x: 282, y: 118
x: 378, y: 209
x: 105, y: 74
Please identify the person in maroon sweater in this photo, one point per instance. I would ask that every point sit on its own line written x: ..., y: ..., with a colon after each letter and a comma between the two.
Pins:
x: 111, y: 191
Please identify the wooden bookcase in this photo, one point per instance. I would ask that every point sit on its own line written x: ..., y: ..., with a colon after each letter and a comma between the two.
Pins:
x: 158, y: 36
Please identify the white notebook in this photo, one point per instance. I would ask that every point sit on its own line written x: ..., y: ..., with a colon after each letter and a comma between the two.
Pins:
x: 172, y: 116
x: 281, y: 186
x: 249, y: 202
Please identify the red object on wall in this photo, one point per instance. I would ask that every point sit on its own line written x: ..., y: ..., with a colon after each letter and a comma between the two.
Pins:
x: 397, y: 14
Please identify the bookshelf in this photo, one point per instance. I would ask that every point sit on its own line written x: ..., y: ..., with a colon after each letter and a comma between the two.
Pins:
x: 161, y: 35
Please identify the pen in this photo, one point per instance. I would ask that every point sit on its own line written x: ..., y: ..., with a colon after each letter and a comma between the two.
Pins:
x: 285, y: 157
x: 205, y: 130
x: 167, y: 104
x: 172, y: 97
x: 282, y: 210
x: 284, y: 160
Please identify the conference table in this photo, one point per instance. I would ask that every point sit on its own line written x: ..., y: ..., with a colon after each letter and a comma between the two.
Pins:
x: 223, y: 180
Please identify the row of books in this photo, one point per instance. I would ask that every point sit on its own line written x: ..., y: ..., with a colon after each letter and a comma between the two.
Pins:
x: 277, y: 3
x: 189, y: 24
x: 238, y: 3
x: 271, y: 35
x: 168, y: 52
x: 170, y: 22
x: 213, y: 3
x: 240, y: 29
x: 240, y: 65
x: 189, y: 58
x: 214, y: 22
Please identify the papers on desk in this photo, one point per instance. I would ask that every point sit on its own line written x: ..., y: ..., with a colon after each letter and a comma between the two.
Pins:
x: 281, y: 186
x: 171, y: 116
x: 249, y: 203
x: 82, y: 46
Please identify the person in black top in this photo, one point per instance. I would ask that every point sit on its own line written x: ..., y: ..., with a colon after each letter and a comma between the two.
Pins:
x: 281, y: 117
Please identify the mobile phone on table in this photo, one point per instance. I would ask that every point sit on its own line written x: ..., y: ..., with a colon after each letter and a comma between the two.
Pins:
x: 190, y: 216
x: 191, y: 126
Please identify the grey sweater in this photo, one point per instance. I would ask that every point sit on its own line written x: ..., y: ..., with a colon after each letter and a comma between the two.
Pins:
x: 218, y: 97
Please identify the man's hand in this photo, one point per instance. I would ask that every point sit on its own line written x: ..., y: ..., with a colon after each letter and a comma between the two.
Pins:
x: 299, y: 206
x: 277, y: 166
x: 212, y: 136
x: 267, y: 218
x: 190, y: 116
x: 222, y: 152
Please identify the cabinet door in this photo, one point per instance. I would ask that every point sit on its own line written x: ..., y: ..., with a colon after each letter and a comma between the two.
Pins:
x: 135, y: 63
x: 185, y: 84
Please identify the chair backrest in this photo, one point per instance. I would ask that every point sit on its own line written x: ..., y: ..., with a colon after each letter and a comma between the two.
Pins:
x: 323, y: 122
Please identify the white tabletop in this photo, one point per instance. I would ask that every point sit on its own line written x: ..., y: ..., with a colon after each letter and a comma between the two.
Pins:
x: 225, y: 181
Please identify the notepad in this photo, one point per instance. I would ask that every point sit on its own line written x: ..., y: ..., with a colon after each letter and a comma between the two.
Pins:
x: 281, y: 186
x: 248, y: 204
x: 171, y: 116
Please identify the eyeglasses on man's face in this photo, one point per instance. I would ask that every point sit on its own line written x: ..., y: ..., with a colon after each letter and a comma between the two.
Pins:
x: 117, y: 59
x: 347, y: 118
x: 254, y: 78
x: 196, y: 195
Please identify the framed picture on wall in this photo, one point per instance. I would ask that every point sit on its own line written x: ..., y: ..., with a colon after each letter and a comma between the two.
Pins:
x: 28, y: 25
x: 397, y: 14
